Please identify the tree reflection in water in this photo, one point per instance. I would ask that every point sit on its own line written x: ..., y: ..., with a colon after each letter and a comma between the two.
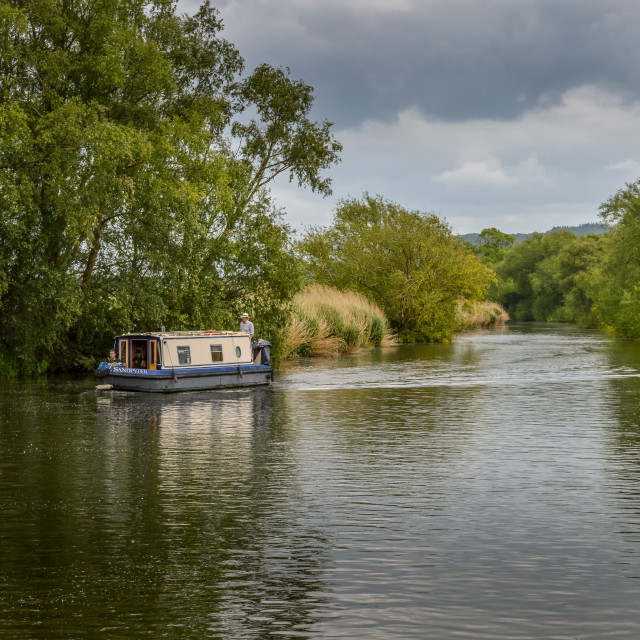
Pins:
x: 487, y: 488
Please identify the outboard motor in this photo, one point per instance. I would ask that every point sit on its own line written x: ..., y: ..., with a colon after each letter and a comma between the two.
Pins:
x: 262, y: 349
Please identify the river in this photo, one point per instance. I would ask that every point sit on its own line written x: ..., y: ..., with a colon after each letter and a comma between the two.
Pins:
x: 485, y: 489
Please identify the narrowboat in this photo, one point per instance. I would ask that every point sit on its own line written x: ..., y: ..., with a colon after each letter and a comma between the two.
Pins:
x: 185, y: 361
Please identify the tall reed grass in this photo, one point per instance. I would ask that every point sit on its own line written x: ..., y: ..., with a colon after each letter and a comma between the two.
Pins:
x: 479, y: 315
x: 327, y: 321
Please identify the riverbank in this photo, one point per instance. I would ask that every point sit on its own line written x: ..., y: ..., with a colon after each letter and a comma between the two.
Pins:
x: 326, y: 321
x: 481, y: 315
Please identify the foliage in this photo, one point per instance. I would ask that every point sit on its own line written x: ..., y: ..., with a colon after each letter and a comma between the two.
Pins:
x: 618, y: 282
x: 481, y: 315
x: 550, y: 278
x: 408, y: 262
x: 326, y: 321
x: 133, y: 191
x: 283, y: 139
x: 585, y: 229
x: 492, y: 245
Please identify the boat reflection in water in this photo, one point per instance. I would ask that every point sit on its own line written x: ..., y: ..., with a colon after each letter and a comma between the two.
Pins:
x: 212, y: 486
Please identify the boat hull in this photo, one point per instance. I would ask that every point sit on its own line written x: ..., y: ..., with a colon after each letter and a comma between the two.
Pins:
x: 173, y: 380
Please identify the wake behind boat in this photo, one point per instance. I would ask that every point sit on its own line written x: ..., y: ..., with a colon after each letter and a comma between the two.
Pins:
x: 186, y: 361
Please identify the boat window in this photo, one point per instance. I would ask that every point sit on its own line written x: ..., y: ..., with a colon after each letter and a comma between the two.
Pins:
x: 152, y: 352
x: 184, y: 355
x: 216, y: 353
x: 238, y: 352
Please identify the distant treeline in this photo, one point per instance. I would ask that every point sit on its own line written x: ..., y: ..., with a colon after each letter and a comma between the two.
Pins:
x: 590, y: 279
x: 578, y: 230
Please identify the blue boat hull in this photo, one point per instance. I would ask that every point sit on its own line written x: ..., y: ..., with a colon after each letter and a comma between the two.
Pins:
x: 192, y: 379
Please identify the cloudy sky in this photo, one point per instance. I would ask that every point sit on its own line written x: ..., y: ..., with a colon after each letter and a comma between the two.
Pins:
x: 516, y: 114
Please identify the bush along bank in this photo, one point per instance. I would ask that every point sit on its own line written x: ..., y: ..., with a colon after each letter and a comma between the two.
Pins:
x: 481, y: 315
x: 325, y: 321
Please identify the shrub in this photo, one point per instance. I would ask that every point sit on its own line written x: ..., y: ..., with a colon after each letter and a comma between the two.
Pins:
x: 326, y: 321
x: 476, y: 315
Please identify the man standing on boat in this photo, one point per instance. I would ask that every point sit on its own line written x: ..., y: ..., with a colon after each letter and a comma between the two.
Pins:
x: 246, y: 325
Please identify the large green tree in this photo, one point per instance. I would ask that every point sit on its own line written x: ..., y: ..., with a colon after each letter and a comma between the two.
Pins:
x: 550, y: 277
x: 492, y: 245
x: 618, y: 285
x: 408, y: 262
x: 133, y: 181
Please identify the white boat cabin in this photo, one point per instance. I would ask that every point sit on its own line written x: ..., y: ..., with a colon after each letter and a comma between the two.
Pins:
x: 184, y: 349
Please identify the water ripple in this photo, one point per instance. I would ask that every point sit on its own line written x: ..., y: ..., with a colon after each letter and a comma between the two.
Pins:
x: 485, y: 489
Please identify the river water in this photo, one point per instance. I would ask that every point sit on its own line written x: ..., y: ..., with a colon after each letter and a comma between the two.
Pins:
x: 489, y: 488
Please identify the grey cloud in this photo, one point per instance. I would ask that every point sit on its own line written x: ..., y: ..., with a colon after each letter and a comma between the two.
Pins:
x: 516, y: 114
x: 453, y: 60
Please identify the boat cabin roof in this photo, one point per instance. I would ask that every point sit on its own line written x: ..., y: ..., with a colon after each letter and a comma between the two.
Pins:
x: 183, y: 334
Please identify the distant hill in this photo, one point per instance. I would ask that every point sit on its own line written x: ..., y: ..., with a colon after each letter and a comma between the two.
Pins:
x: 583, y: 229
x: 580, y: 230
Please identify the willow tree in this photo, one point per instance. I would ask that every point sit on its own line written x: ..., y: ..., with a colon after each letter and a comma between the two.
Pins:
x: 408, y: 262
x: 133, y: 188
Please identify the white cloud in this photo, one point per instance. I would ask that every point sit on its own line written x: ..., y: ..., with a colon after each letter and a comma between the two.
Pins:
x: 302, y: 208
x: 384, y: 6
x: 509, y: 114
x: 545, y: 168
x: 625, y: 166
x: 490, y: 172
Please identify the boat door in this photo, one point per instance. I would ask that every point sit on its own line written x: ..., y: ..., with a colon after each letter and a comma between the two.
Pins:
x: 139, y: 354
x: 144, y: 354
